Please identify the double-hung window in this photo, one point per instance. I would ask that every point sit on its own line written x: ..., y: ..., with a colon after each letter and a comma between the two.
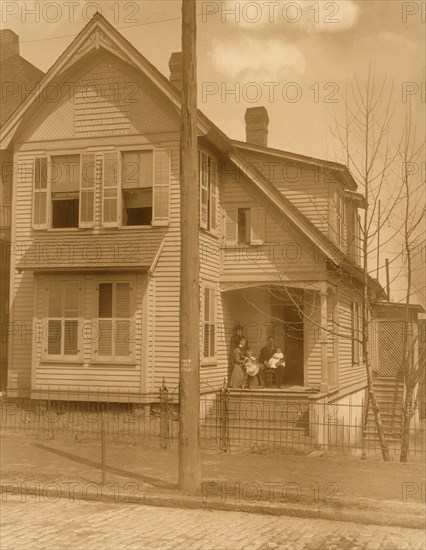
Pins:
x: 135, y: 188
x: 137, y: 185
x: 64, y: 191
x: 62, y: 321
x: 131, y: 188
x: 207, y: 175
x: 114, y: 340
x: 209, y: 322
x: 245, y: 225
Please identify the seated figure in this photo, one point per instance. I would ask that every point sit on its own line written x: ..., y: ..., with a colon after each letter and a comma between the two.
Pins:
x: 277, y: 359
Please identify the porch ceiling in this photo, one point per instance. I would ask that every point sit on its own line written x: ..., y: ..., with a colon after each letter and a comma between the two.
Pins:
x: 239, y: 285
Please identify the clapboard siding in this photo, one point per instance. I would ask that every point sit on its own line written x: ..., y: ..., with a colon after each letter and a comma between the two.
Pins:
x: 34, y: 249
x: 350, y: 374
x: 285, y: 256
x: 85, y: 372
x: 304, y: 185
x: 104, y: 98
x: 167, y: 289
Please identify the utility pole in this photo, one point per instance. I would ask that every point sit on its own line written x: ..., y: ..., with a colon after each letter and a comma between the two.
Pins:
x: 189, y: 332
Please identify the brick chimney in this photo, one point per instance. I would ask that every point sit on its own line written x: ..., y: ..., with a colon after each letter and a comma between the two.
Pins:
x: 175, y: 66
x: 257, y: 122
x: 9, y: 44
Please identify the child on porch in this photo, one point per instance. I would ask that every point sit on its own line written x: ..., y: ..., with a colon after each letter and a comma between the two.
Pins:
x: 277, y: 362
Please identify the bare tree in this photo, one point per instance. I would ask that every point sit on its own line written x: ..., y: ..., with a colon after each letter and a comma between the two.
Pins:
x: 414, y: 214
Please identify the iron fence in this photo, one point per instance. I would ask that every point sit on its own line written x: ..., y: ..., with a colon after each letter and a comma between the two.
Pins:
x: 257, y: 420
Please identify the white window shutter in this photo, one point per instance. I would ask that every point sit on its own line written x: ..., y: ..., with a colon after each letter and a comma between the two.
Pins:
x: 257, y: 225
x: 161, y: 192
x: 214, y: 199
x: 110, y: 190
x: 203, y: 176
x: 37, y: 170
x: 87, y: 190
x: 231, y: 226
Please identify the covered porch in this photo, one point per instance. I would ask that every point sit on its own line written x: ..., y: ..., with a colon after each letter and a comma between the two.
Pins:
x: 296, y: 316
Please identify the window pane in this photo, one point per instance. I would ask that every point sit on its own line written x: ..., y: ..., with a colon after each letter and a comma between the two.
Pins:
x: 65, y: 212
x: 105, y: 300
x: 244, y: 225
x: 71, y: 337
x: 122, y: 337
x: 71, y: 300
x: 137, y: 207
x: 122, y: 300
x: 65, y: 174
x: 137, y: 169
x: 55, y: 300
x: 54, y: 338
x: 105, y: 338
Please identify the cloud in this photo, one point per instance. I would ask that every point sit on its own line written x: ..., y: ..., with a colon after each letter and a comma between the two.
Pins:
x: 396, y: 41
x: 336, y: 16
x: 257, y: 59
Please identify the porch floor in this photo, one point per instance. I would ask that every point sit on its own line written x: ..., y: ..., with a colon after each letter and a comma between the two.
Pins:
x: 289, y: 389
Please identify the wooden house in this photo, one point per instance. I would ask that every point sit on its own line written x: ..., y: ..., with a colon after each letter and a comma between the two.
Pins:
x: 95, y: 263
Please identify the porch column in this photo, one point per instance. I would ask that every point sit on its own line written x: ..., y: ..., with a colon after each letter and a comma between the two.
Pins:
x: 323, y: 336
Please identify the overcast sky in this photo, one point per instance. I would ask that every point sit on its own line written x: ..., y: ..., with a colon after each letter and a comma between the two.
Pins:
x: 293, y: 57
x: 307, y: 51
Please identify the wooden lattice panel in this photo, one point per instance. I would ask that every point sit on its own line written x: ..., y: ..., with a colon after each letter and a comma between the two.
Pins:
x: 391, y: 344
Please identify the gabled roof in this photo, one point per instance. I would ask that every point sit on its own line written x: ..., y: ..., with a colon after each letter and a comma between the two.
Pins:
x: 341, y: 171
x: 99, y: 33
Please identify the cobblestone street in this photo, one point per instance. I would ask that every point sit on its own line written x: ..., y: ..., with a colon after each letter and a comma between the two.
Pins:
x: 81, y: 525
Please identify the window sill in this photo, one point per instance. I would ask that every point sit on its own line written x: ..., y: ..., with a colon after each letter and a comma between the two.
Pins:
x: 214, y: 235
x: 112, y: 363
x: 208, y: 363
x: 64, y: 229
x: 234, y: 246
x: 121, y: 227
x: 61, y: 361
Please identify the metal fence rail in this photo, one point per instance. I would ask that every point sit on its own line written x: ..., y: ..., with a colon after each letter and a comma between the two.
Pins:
x: 228, y: 419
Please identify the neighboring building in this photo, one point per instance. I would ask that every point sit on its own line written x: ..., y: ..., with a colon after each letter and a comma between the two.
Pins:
x: 95, y: 271
x: 18, y: 79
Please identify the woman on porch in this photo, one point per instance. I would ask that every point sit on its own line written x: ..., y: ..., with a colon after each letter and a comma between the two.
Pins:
x: 239, y: 375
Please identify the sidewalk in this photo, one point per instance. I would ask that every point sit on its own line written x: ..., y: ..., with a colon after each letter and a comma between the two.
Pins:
x: 341, y: 488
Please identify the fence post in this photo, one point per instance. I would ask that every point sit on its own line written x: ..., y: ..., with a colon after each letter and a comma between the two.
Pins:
x: 223, y: 412
x: 364, y: 428
x: 164, y: 416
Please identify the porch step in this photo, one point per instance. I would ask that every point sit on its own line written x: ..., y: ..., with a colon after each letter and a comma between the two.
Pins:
x: 389, y: 394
